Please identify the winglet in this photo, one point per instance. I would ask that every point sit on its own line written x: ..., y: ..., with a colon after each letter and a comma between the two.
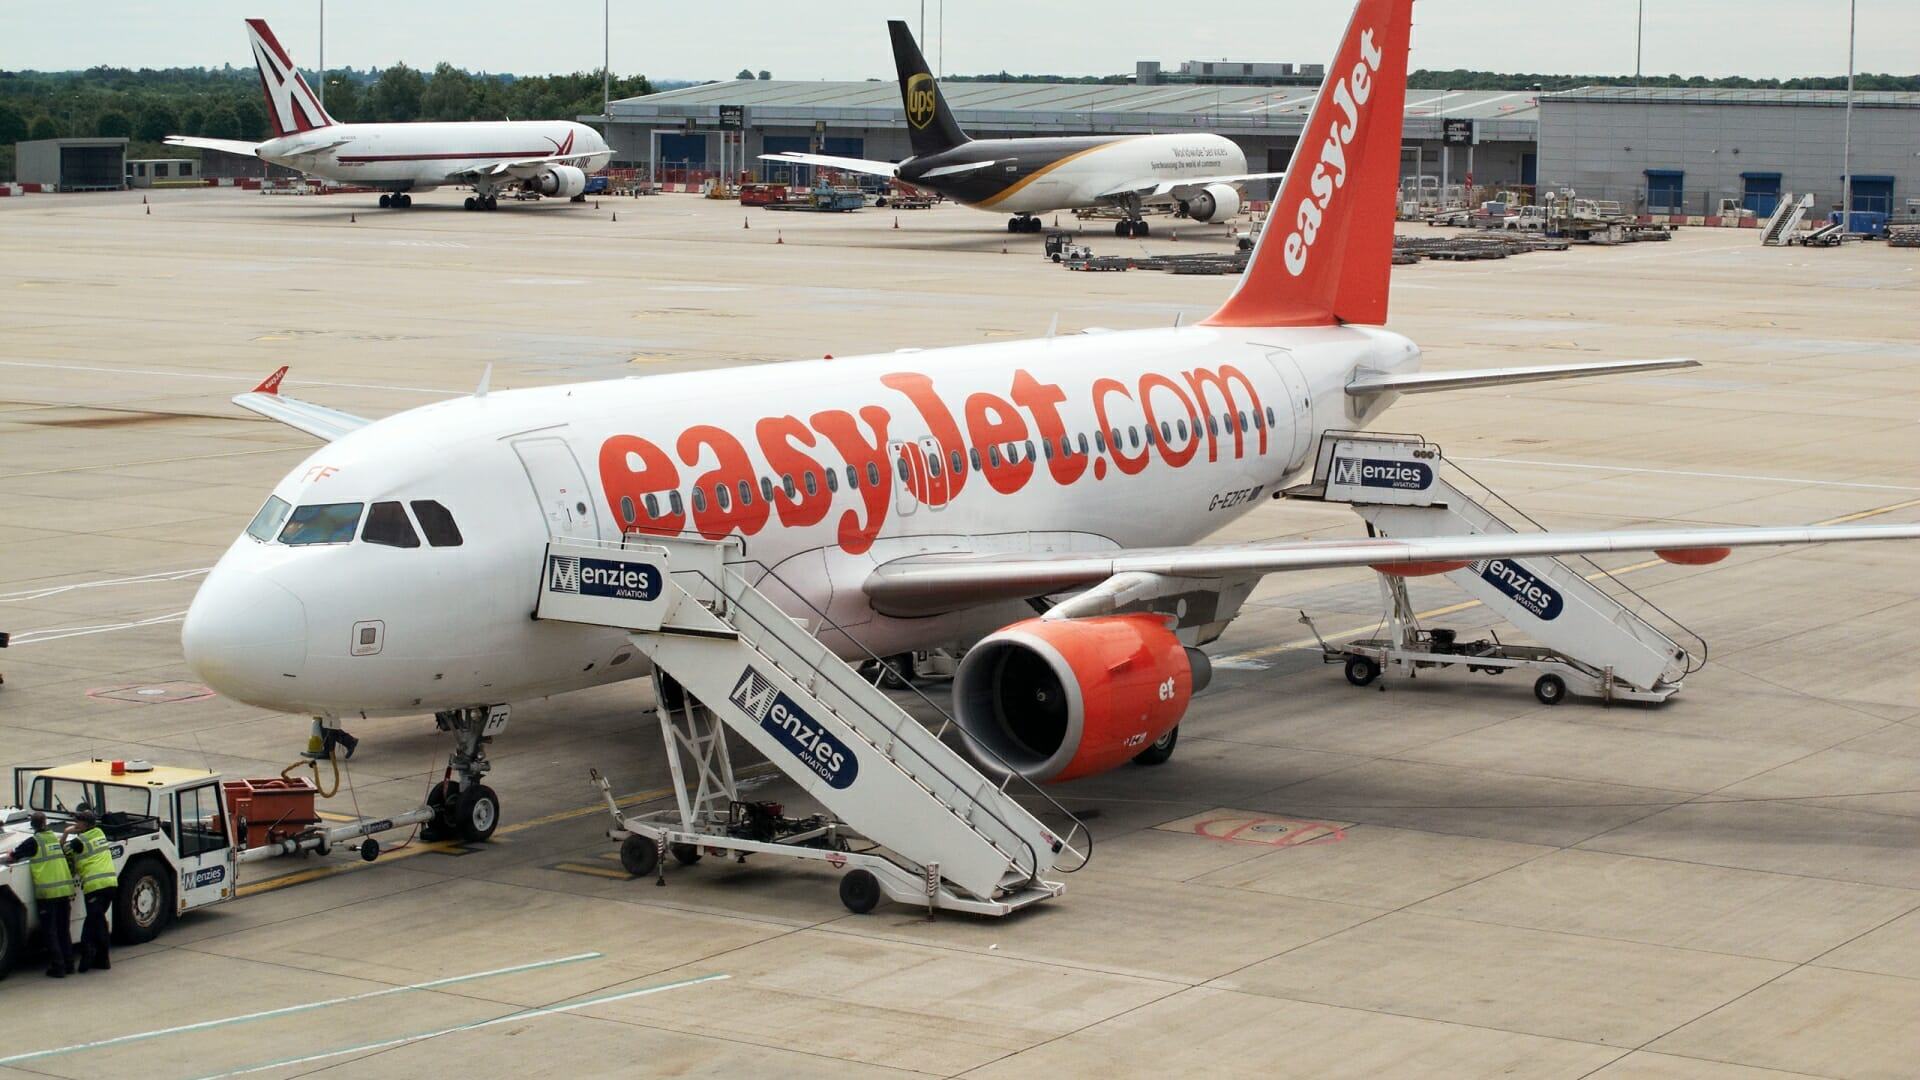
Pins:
x: 272, y: 384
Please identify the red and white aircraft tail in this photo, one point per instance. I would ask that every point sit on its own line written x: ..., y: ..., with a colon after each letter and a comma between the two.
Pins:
x: 1327, y: 248
x: 291, y: 105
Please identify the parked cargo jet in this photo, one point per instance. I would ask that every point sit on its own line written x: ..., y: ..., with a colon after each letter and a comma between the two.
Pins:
x: 918, y: 499
x: 549, y: 157
x: 1196, y: 175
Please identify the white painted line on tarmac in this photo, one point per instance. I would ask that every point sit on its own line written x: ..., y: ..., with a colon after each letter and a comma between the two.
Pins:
x: 36, y: 637
x: 1687, y: 472
x: 512, y: 1017
x: 231, y: 379
x: 140, y: 579
x: 291, y: 1009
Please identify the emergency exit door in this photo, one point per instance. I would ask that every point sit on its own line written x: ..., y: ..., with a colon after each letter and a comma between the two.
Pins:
x: 560, y: 487
x: 1296, y: 412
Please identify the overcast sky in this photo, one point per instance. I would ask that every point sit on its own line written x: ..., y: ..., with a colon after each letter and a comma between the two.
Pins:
x: 845, y: 40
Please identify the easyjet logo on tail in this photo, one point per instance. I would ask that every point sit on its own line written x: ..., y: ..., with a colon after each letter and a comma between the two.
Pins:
x: 291, y: 105
x: 1330, y: 172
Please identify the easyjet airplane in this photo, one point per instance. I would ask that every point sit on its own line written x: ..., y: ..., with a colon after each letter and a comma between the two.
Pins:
x: 551, y: 157
x: 922, y: 498
x: 1197, y: 175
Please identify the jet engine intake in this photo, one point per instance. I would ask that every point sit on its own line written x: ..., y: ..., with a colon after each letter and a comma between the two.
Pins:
x: 1215, y: 202
x: 1055, y: 700
x: 564, y: 181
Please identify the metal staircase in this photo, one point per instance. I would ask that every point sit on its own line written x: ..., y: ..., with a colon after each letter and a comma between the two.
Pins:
x: 941, y: 833
x: 1784, y: 224
x: 1585, y: 618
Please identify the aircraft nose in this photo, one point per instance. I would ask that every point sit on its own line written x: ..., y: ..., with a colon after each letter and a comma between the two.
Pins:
x: 244, y: 635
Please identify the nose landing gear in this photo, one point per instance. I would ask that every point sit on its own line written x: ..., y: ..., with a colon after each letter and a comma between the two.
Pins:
x: 463, y: 806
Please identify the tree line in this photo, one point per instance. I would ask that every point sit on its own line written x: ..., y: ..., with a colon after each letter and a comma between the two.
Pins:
x: 147, y: 105
x: 1465, y: 79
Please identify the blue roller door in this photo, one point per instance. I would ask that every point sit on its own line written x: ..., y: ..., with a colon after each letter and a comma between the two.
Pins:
x: 683, y: 150
x: 1666, y: 191
x: 1873, y: 193
x: 1762, y: 193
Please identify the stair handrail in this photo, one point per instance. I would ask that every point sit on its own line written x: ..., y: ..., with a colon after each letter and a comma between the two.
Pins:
x: 1695, y: 661
x: 947, y: 719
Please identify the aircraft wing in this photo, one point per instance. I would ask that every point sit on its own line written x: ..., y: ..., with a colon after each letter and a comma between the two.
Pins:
x: 519, y: 168
x: 859, y: 165
x: 1427, y: 382
x: 231, y: 146
x: 317, y: 420
x: 928, y: 584
x: 1157, y: 189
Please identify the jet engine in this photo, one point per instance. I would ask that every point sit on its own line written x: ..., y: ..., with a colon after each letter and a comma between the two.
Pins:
x: 1215, y: 202
x: 1058, y: 699
x: 562, y: 180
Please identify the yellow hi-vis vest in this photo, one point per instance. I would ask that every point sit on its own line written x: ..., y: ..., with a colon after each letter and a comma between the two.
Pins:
x: 95, y: 862
x: 52, y: 877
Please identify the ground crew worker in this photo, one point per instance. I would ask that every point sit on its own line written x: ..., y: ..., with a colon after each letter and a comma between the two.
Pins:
x: 53, y: 883
x: 93, y: 865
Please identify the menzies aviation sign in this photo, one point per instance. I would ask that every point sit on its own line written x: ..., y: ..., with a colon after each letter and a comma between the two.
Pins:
x: 1528, y: 590
x: 1372, y: 472
x: 599, y: 586
x: 816, y: 747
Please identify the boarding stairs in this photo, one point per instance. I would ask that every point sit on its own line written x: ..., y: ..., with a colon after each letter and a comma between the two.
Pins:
x: 939, y: 831
x: 1583, y: 618
x: 1784, y: 224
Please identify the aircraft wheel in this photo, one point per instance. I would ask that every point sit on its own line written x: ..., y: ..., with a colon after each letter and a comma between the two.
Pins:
x: 1142, y: 229
x: 386, y: 202
x: 1550, y: 689
x: 860, y: 891
x: 470, y: 203
x: 1123, y: 228
x: 476, y: 813
x: 406, y: 201
x: 639, y: 856
x: 492, y: 202
x: 1161, y: 751
x: 1013, y: 224
x: 1361, y: 670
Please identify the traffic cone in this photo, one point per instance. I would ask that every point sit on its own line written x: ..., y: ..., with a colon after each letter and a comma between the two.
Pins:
x: 616, y: 215
x: 1003, y: 249
x: 1056, y: 221
x: 777, y: 237
x: 896, y: 221
x: 745, y: 224
x: 143, y: 202
x: 1173, y: 236
x: 351, y: 218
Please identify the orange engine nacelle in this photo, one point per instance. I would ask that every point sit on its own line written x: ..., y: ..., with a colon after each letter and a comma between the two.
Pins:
x: 1059, y: 700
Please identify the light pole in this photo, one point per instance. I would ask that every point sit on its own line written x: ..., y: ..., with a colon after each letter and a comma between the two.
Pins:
x: 1639, y: 40
x: 1846, y: 149
x: 323, y: 55
x: 606, y: 59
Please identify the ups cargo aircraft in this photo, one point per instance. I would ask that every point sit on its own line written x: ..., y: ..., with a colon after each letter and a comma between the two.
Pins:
x: 1198, y: 175
x: 919, y: 499
x: 549, y: 157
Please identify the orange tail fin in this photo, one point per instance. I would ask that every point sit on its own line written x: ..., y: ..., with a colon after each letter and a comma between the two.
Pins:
x: 1327, y: 247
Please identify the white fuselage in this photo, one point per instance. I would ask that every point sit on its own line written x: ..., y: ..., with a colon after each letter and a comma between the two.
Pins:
x: 422, y: 156
x: 278, y: 625
x: 1089, y: 177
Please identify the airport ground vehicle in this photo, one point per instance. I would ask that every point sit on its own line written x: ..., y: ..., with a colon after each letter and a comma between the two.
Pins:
x: 179, y: 836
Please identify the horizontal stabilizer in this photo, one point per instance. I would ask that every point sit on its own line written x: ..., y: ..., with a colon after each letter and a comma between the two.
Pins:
x: 859, y: 165
x: 316, y: 420
x: 1428, y: 382
x: 230, y: 146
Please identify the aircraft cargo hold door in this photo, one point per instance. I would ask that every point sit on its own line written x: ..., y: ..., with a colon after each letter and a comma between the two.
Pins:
x: 560, y: 487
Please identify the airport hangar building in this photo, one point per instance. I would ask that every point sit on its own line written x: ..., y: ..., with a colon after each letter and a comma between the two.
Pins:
x: 1654, y: 149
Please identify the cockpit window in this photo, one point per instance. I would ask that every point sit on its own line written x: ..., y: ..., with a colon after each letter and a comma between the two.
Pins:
x: 322, y: 523
x: 267, y: 522
x: 436, y: 523
x: 387, y: 525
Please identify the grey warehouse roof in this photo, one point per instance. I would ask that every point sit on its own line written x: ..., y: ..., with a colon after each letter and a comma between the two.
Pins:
x: 1070, y: 107
x: 1705, y: 95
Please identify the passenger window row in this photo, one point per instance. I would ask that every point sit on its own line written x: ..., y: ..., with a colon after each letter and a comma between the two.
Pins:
x: 654, y: 506
x: 336, y: 523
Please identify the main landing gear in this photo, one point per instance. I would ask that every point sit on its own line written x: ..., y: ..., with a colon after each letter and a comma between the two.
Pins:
x: 396, y: 201
x: 1023, y: 223
x: 483, y: 202
x: 1131, y: 227
x: 462, y: 806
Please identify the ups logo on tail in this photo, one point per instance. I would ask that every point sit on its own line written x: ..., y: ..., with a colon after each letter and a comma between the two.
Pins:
x: 920, y: 100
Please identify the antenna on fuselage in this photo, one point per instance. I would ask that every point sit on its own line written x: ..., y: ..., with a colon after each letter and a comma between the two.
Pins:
x: 486, y: 377
x: 1176, y: 319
